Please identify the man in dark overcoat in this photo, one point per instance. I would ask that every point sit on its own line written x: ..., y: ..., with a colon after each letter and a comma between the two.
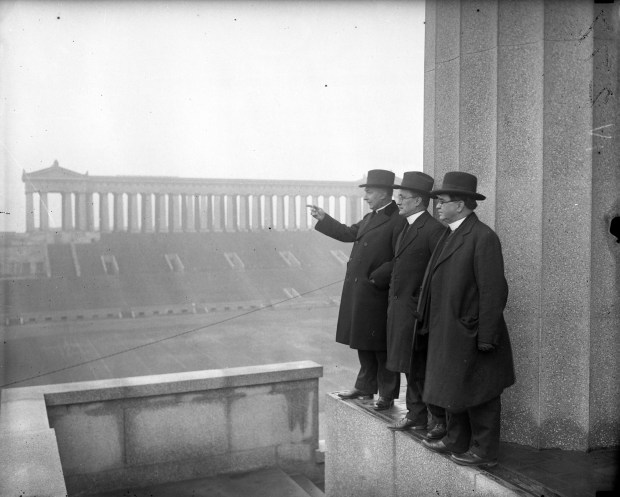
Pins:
x: 363, y: 305
x: 414, y: 248
x: 469, y: 361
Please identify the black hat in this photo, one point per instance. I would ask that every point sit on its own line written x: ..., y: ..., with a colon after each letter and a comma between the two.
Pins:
x: 458, y: 183
x: 379, y: 178
x: 417, y: 182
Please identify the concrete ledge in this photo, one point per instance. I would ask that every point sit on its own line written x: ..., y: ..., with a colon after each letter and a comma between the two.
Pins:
x: 138, y: 431
x: 364, y: 458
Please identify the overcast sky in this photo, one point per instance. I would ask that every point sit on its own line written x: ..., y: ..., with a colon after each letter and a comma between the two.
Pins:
x: 281, y: 89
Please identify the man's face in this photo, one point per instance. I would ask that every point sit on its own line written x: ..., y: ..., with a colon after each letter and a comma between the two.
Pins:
x: 376, y: 197
x: 448, y: 210
x: 407, y: 203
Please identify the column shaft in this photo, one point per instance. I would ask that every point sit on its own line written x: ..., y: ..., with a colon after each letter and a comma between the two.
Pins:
x: 244, y: 212
x: 174, y: 213
x: 44, y: 219
x: 147, y: 213
x: 189, y: 222
x: 279, y: 222
x: 119, y: 212
x: 256, y: 213
x: 67, y: 211
x: 217, y: 213
x: 80, y: 211
x: 104, y: 213
x: 29, y: 212
x: 292, y: 214
x: 90, y: 213
x: 161, y: 225
x: 133, y: 223
x: 230, y: 210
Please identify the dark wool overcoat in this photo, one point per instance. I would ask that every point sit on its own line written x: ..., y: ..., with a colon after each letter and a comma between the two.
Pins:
x: 363, y: 305
x: 413, y: 251
x: 462, y: 302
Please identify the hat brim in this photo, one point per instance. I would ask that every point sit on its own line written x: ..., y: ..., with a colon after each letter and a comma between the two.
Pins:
x: 375, y: 185
x: 464, y: 193
x: 421, y: 192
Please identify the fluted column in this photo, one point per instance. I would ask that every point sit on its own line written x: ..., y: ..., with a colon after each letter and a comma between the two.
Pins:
x: 67, y: 212
x: 256, y: 213
x: 29, y: 212
x: 174, y: 213
x: 44, y: 220
x: 230, y: 212
x: 244, y: 212
x: 90, y: 212
x: 119, y: 212
x: 161, y: 226
x: 217, y: 213
x: 268, y: 212
x: 132, y: 213
x: 204, y: 212
x: 80, y: 211
x: 104, y: 213
x: 279, y: 221
x: 337, y: 207
x: 147, y: 213
x: 303, y: 213
x: 189, y: 224
x: 292, y: 217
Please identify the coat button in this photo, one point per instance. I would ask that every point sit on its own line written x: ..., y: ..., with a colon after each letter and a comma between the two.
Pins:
x: 365, y: 244
x: 395, y: 297
x: 355, y: 280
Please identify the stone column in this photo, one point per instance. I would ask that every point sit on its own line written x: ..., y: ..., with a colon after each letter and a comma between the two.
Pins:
x: 279, y: 224
x: 132, y: 213
x: 67, y: 211
x: 29, y: 212
x: 230, y: 211
x: 161, y: 225
x: 518, y: 94
x: 119, y: 212
x: 147, y: 213
x: 337, y: 207
x: 90, y: 212
x: 244, y: 212
x: 268, y: 212
x: 80, y: 212
x: 303, y: 213
x: 44, y: 219
x: 217, y: 213
x: 204, y: 213
x: 256, y: 213
x: 292, y: 214
x: 104, y: 213
x: 189, y: 223
x: 174, y: 213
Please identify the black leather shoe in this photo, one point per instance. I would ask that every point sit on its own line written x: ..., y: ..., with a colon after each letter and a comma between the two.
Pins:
x: 437, y: 432
x: 383, y: 404
x: 471, y: 459
x: 406, y: 424
x: 437, y: 446
x: 355, y: 394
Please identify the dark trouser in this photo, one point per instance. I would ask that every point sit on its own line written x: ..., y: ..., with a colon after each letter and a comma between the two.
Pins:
x: 475, y: 429
x: 374, y: 376
x: 416, y: 409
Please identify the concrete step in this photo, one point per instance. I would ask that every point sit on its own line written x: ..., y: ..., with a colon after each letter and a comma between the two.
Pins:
x: 311, y: 489
x: 270, y: 482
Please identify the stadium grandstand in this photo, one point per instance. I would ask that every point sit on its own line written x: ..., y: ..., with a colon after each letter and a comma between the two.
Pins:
x: 141, y: 246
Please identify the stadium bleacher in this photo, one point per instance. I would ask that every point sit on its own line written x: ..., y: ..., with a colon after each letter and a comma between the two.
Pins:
x: 202, y: 271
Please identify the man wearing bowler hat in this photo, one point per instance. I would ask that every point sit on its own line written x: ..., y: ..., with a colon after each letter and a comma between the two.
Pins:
x: 414, y: 248
x: 363, y: 306
x: 469, y: 361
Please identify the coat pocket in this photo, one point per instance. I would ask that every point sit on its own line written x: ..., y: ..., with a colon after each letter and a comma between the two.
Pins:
x: 470, y: 322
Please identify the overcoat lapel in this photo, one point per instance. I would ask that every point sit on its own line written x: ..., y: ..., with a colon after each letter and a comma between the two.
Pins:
x: 377, y: 220
x: 412, y: 233
x: 456, y: 240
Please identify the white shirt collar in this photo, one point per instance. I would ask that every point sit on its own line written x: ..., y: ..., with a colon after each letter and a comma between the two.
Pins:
x: 411, y: 219
x: 381, y: 208
x: 456, y: 224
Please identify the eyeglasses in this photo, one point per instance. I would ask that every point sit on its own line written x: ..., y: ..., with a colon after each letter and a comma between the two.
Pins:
x: 439, y: 202
x: 401, y: 198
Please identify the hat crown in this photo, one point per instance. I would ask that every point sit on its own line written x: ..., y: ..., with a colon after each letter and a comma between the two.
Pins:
x: 459, y: 181
x: 380, y: 178
x: 418, y: 181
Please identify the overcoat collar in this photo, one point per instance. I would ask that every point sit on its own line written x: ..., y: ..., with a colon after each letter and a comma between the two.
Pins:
x: 455, y: 240
x: 412, y: 233
x: 383, y: 216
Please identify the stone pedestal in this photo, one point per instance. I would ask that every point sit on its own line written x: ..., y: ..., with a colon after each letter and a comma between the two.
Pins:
x: 516, y: 93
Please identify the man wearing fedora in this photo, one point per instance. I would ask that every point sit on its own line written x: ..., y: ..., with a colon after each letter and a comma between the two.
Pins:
x: 363, y: 306
x: 469, y: 361
x: 414, y: 248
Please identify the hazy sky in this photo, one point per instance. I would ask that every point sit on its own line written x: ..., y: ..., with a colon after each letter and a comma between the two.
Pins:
x: 280, y: 89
